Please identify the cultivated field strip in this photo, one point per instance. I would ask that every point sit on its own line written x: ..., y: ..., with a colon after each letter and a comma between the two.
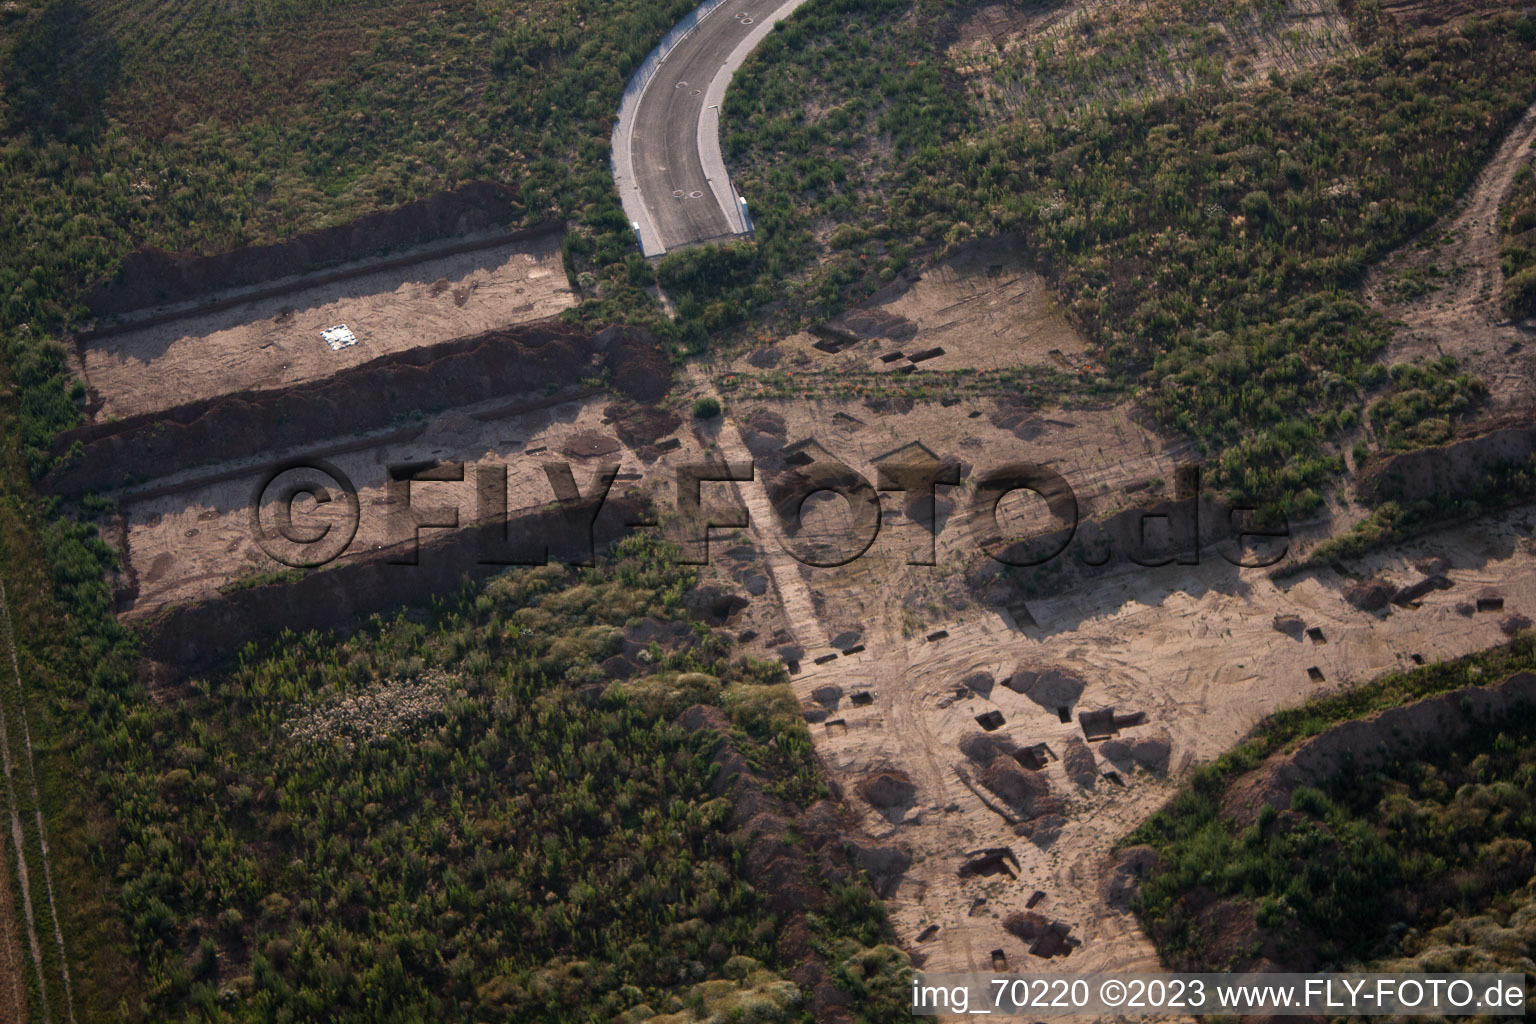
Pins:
x: 50, y: 975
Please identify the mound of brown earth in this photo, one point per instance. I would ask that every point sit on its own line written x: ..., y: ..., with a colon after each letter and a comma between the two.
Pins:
x: 1124, y: 874
x: 878, y: 323
x: 794, y: 878
x: 1407, y: 596
x: 1369, y: 595
x: 1446, y: 470
x: 828, y: 695
x: 184, y: 638
x: 887, y: 789
x: 1017, y: 788
x: 1080, y: 764
x: 1151, y: 752
x: 714, y: 604
x: 764, y: 432
x: 984, y: 748
x: 1291, y: 626
x: 589, y: 444
x: 641, y: 425
x: 1051, y: 688
x: 641, y: 370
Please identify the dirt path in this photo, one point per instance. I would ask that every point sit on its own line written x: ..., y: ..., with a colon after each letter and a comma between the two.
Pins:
x: 1458, y: 262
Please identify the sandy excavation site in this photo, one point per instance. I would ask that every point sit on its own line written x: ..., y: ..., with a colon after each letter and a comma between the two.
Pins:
x: 994, y: 736
x: 276, y: 341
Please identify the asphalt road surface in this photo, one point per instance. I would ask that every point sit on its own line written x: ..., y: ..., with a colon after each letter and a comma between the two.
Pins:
x: 668, y: 166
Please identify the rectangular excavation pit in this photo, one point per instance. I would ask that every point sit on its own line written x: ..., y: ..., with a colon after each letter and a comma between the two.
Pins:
x: 1315, y: 674
x: 891, y: 357
x: 237, y: 341
x: 855, y: 649
x: 1098, y: 725
x: 837, y: 727
x: 861, y: 698
x: 1316, y: 636
x: 927, y: 933
x: 991, y: 721
x: 825, y: 658
x: 999, y: 960
x: 992, y: 861
x: 937, y: 635
x: 1034, y: 899
x: 926, y: 354
x: 1490, y: 604
x: 831, y: 340
x: 1064, y: 714
x: 1030, y: 758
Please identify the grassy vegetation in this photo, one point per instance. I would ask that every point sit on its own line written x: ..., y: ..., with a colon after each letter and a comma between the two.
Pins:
x: 1104, y: 57
x: 1517, y: 245
x: 1390, y: 863
x: 206, y: 128
x: 429, y: 818
x: 816, y: 124
x: 1423, y: 403
x: 1208, y: 240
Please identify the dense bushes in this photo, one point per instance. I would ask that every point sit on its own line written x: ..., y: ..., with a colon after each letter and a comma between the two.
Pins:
x: 430, y: 815
x: 1423, y: 402
x: 1358, y: 872
x: 1517, y: 245
x: 712, y: 285
x: 1208, y: 240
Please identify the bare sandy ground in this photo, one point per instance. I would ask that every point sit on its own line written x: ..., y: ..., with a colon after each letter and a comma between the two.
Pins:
x: 1461, y: 315
x: 276, y: 342
x: 1193, y: 648
x: 184, y: 546
x: 985, y: 306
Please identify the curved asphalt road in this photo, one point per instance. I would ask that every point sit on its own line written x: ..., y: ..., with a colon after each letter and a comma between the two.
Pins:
x: 667, y: 141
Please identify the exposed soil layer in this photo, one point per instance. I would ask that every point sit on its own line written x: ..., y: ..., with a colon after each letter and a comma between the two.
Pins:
x: 274, y: 339
x: 187, y: 638
x: 499, y: 363
x: 151, y: 276
x: 1403, y: 733
x: 186, y: 539
x: 1444, y: 470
